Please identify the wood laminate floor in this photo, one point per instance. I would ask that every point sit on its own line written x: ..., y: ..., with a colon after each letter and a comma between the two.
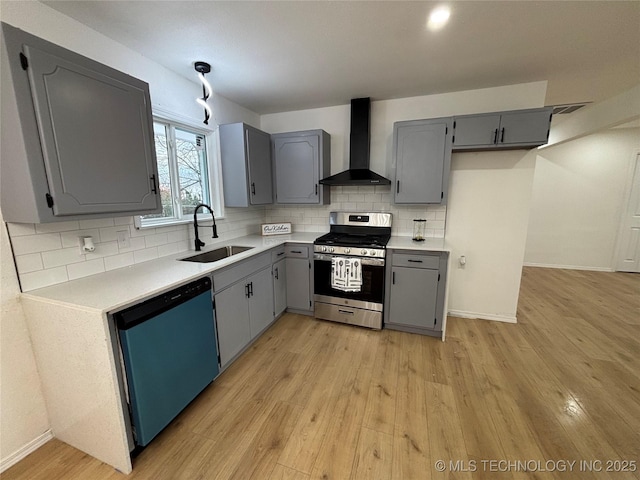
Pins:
x: 317, y: 400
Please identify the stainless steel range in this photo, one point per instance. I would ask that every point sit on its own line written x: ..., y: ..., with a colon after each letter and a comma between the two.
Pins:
x: 349, y: 268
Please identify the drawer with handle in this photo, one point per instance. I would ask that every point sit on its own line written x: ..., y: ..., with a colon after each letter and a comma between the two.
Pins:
x: 296, y: 251
x: 277, y: 254
x: 416, y: 261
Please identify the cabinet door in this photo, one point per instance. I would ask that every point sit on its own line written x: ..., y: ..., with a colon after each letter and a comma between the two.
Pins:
x: 413, y: 297
x: 420, y: 151
x: 279, y: 286
x: 96, y: 135
x: 258, y: 146
x: 260, y: 301
x: 525, y: 127
x: 474, y: 130
x: 232, y: 321
x: 298, y: 284
x: 297, y: 161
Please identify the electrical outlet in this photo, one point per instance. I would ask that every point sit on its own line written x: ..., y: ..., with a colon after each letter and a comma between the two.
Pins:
x: 123, y: 239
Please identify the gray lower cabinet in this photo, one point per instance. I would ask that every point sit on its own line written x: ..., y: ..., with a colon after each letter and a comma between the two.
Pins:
x: 300, y: 160
x: 279, y: 272
x: 502, y: 130
x: 299, y: 275
x: 414, y: 299
x: 244, y: 304
x: 260, y: 302
x: 77, y: 136
x: 422, y: 157
x: 245, y: 154
x: 232, y: 322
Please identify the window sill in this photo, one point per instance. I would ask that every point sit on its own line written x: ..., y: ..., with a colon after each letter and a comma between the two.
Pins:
x: 137, y: 221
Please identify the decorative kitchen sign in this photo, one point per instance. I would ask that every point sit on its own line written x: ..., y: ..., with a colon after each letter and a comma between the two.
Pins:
x: 276, y: 228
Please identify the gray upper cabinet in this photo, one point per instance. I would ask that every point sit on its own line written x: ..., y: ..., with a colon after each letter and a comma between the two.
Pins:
x: 300, y: 160
x: 77, y: 136
x: 422, y: 157
x: 246, y: 165
x: 516, y: 129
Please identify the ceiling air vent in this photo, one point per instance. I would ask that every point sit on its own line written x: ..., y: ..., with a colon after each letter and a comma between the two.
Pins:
x: 569, y: 108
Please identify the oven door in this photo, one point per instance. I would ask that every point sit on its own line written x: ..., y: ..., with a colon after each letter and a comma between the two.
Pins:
x: 372, y: 290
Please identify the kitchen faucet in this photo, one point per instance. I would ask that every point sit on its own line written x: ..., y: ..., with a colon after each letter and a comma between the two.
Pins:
x: 199, y: 243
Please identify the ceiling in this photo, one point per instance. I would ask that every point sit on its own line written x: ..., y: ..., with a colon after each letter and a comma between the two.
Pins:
x: 277, y: 56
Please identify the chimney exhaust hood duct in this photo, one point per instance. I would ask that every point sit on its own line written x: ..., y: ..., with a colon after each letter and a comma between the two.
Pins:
x: 358, y: 173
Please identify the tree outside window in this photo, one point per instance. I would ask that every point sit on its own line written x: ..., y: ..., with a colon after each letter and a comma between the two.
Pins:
x: 182, y: 170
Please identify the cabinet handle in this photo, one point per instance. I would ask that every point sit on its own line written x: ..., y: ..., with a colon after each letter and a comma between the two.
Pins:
x: 251, y: 289
x: 253, y: 188
x: 276, y: 274
x: 246, y: 290
x: 154, y: 187
x: 316, y: 189
x: 502, y: 135
x: 495, y: 136
x: 279, y: 254
x: 414, y: 261
x: 347, y: 312
x: 398, y: 186
x: 393, y: 278
x: 296, y: 251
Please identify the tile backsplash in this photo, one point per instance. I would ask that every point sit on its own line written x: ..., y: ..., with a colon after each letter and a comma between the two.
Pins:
x: 47, y: 254
x: 360, y: 199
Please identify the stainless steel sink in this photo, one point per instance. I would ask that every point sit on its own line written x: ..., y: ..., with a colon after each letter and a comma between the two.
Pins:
x: 217, y: 254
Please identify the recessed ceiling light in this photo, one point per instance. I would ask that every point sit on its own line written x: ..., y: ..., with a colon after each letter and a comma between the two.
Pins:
x: 438, y: 18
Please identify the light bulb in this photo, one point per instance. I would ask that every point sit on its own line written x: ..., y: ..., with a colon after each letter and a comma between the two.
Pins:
x: 204, y: 105
x: 438, y: 18
x: 206, y: 84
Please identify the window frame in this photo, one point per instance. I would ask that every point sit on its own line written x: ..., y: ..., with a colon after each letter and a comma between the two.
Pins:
x: 214, y: 176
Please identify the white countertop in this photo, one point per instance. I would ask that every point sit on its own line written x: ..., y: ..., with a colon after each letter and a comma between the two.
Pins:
x: 110, y: 291
x: 428, y: 245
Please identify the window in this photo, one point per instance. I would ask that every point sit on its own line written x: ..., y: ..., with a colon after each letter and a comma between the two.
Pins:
x: 183, y: 171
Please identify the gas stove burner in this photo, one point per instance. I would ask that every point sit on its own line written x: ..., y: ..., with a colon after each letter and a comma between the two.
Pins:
x: 378, y: 241
x: 365, y: 234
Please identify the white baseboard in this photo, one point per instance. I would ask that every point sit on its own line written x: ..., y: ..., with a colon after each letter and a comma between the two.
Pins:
x: 569, y: 267
x: 483, y: 316
x: 22, y: 452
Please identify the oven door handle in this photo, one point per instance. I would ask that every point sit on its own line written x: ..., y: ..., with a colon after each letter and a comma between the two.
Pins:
x: 376, y: 262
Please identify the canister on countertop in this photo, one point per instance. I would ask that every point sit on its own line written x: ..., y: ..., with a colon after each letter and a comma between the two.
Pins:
x: 419, y: 228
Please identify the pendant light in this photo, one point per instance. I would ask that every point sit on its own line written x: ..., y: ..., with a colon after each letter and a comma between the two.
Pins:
x: 202, y: 68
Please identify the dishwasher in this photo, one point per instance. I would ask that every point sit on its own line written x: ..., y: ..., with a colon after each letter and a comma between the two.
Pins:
x: 170, y: 355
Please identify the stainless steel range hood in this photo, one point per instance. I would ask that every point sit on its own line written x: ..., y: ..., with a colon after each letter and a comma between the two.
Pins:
x: 358, y: 173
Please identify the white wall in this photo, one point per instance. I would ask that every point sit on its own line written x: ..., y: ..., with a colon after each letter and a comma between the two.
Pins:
x: 24, y: 416
x: 489, y: 193
x: 578, y: 196
x: 616, y: 110
x: 487, y: 219
x: 336, y: 120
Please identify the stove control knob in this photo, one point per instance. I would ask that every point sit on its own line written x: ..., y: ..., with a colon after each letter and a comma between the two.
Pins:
x: 363, y: 252
x: 324, y: 249
x: 331, y: 249
x: 347, y: 250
